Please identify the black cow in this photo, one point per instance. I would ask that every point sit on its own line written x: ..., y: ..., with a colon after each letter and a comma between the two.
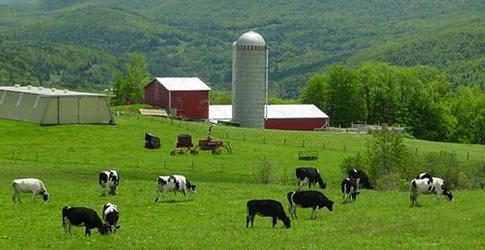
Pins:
x: 310, y: 175
x: 349, y: 190
x: 81, y: 216
x: 267, y: 208
x: 111, y: 216
x: 361, y: 178
x: 306, y: 199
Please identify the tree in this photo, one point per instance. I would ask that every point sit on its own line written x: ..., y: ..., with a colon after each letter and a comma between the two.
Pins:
x: 346, y: 102
x: 316, y: 92
x: 128, y: 85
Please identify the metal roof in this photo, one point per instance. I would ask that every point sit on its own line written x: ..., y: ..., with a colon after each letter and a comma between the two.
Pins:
x: 182, y: 83
x: 39, y: 90
x: 279, y: 111
x: 250, y: 38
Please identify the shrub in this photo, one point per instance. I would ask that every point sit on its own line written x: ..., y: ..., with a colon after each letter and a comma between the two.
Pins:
x: 263, y: 171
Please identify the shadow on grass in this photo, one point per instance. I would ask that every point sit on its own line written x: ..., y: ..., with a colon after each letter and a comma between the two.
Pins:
x: 174, y: 201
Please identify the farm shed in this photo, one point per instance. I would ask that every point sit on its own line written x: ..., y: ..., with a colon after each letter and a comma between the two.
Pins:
x: 288, y: 117
x: 184, y: 97
x: 51, y: 106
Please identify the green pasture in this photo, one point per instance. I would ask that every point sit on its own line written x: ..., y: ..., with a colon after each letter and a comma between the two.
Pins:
x: 68, y: 159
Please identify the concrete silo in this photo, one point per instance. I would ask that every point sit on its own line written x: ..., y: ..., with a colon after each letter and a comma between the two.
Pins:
x: 249, y: 80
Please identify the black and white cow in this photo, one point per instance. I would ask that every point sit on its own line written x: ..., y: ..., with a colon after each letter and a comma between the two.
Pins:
x: 111, y: 217
x: 310, y: 176
x: 267, y: 208
x: 305, y: 199
x: 109, y: 180
x: 81, y: 216
x: 425, y: 186
x: 28, y: 185
x: 349, y: 190
x: 361, y: 178
x: 174, y: 183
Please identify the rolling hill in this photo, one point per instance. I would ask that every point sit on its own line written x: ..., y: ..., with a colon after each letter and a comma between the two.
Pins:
x: 194, y: 38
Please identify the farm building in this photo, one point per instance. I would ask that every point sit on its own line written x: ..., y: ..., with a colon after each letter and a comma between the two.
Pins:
x: 184, y: 97
x: 51, y: 106
x: 288, y: 117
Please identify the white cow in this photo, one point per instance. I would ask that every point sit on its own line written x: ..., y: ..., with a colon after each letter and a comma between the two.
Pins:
x: 28, y: 185
x: 174, y: 183
x: 434, y: 185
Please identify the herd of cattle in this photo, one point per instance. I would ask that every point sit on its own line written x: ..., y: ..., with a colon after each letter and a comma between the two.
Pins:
x: 424, y: 183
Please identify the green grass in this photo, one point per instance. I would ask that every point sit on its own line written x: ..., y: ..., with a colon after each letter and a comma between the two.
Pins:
x: 68, y: 158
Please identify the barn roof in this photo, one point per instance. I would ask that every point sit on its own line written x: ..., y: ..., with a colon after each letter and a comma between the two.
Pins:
x: 39, y: 90
x: 278, y: 111
x: 182, y: 83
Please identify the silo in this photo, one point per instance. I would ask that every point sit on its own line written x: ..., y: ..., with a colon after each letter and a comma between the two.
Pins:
x: 249, y: 80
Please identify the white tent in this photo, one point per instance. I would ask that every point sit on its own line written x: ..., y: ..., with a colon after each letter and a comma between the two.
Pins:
x: 52, y: 106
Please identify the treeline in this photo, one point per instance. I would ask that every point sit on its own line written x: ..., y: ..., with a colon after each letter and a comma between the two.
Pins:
x: 419, y: 98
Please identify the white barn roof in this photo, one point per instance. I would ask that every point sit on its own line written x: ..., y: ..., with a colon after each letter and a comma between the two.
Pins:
x: 285, y: 111
x: 182, y: 83
x: 45, y: 91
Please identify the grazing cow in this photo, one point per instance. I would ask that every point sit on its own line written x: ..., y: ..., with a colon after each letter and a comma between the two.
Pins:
x: 349, y: 190
x: 425, y: 186
x: 267, y: 208
x: 310, y: 175
x: 81, y: 216
x: 109, y: 180
x: 306, y: 199
x: 28, y: 185
x: 425, y: 176
x: 361, y: 178
x: 174, y: 183
x: 111, y: 217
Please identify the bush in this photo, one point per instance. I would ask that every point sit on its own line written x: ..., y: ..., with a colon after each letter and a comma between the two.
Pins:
x: 444, y: 165
x: 263, y: 171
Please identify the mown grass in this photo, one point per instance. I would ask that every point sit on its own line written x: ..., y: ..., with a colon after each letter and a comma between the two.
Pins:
x: 68, y: 159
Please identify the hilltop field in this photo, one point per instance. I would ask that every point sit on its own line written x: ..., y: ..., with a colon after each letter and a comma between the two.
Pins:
x: 69, y: 158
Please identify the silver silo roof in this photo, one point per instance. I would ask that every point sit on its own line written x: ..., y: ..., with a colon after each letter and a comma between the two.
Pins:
x: 250, y: 38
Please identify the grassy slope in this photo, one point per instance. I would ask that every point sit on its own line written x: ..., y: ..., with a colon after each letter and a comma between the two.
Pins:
x: 68, y: 158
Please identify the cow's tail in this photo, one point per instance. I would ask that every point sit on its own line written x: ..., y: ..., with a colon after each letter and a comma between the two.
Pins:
x: 100, y: 178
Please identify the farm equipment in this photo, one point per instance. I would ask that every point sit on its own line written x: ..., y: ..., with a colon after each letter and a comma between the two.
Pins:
x: 214, y: 145
x: 152, y: 141
x: 184, y: 145
x: 308, y: 155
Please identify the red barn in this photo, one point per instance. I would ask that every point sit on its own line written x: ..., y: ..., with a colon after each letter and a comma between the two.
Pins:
x: 288, y: 117
x: 184, y: 97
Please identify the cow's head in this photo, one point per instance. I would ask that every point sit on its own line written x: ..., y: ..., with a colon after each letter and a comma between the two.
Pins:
x: 190, y: 187
x: 45, y: 195
x: 286, y: 221
x: 322, y: 183
x: 354, y: 195
x: 330, y: 205
x: 104, y: 229
x: 448, y: 194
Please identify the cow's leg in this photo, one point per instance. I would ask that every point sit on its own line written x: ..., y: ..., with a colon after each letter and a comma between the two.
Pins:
x: 87, y: 232
x: 343, y: 197
x: 14, y: 198
x: 247, y: 221
x: 33, y: 196
x: 275, y: 219
x: 293, y: 211
x: 185, y: 193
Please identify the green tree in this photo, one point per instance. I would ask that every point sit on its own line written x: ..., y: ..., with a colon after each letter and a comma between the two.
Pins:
x: 345, y: 100
x: 316, y: 92
x: 128, y: 85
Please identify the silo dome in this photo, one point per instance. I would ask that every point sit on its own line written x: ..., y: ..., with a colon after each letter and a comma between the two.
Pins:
x: 250, y: 38
x: 249, y: 80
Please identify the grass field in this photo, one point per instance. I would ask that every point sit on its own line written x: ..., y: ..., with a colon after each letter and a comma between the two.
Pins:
x: 68, y: 159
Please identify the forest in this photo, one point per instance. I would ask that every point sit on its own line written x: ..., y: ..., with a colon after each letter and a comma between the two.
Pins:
x: 81, y: 44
